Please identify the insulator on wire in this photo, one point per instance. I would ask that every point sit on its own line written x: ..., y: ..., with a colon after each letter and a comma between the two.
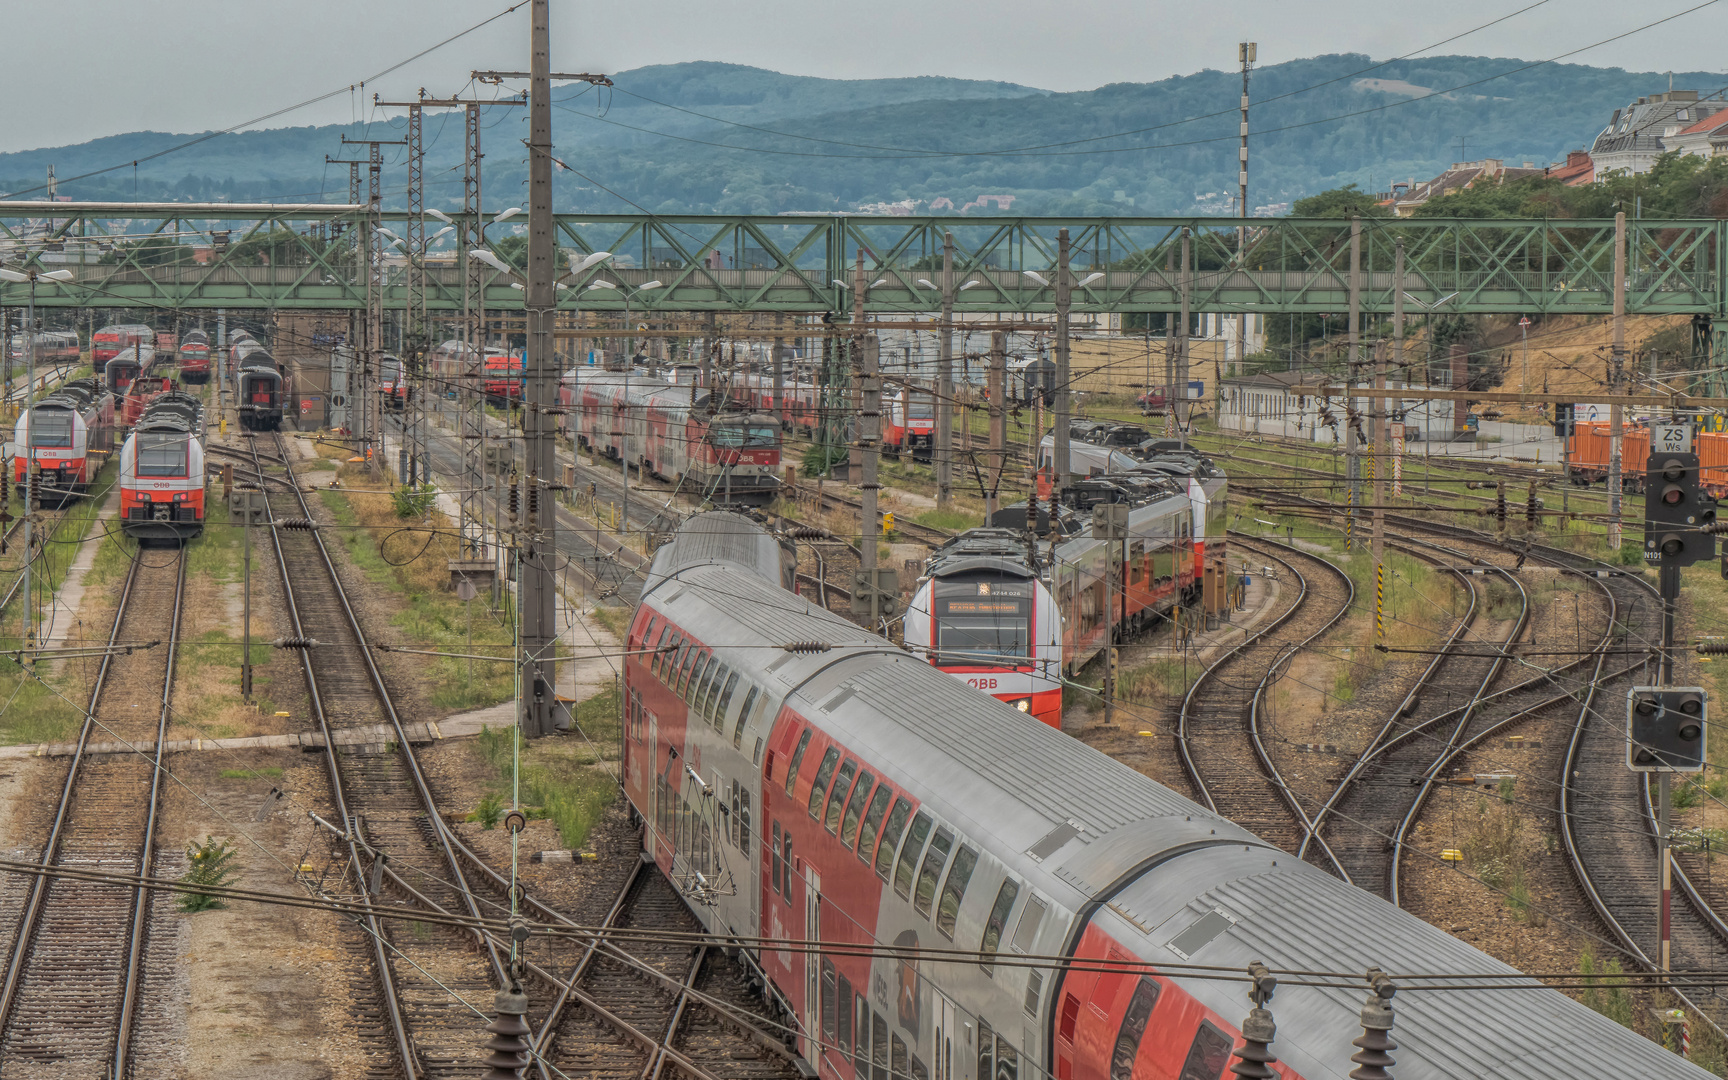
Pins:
x: 806, y: 647
x: 514, y: 502
x: 1374, y: 1049
x: 805, y: 532
x: 1254, y: 1058
x: 302, y: 524
x: 295, y: 642
x: 509, y: 1042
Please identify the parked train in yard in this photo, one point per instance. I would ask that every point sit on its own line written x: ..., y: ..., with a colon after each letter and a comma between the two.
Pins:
x: 162, y: 471
x: 115, y: 338
x: 1010, y: 610
x: 71, y: 435
x: 846, y: 798
x: 730, y: 454
x: 55, y: 348
x: 195, y: 357
x: 260, y: 386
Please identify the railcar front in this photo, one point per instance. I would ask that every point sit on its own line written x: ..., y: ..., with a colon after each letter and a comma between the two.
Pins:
x: 162, y: 478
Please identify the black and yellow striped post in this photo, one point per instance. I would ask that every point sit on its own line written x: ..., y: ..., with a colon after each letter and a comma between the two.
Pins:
x: 1380, y: 602
x: 1350, y: 518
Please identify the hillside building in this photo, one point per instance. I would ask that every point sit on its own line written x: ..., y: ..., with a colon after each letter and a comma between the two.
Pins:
x: 1635, y: 135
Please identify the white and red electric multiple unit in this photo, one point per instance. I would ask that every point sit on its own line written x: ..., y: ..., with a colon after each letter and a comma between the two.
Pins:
x: 162, y: 471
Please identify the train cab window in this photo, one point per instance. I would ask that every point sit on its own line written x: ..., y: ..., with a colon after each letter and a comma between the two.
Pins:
x: 909, y: 852
x: 997, y: 923
x: 872, y: 823
x: 797, y: 760
x: 855, y: 808
x: 162, y: 453
x: 1133, y: 1030
x: 891, y: 838
x: 954, y: 890
x: 934, y: 859
x: 837, y: 800
x: 725, y: 701
x: 819, y: 787
x: 744, y: 717
x: 777, y: 868
x: 1208, y: 1055
x: 52, y: 428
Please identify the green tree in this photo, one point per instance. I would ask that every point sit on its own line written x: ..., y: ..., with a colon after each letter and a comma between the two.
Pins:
x: 1342, y: 202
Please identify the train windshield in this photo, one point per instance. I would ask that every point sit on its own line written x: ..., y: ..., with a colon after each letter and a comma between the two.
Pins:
x: 921, y: 407
x: 50, y: 427
x: 976, y: 620
x: 162, y: 453
x: 745, y: 436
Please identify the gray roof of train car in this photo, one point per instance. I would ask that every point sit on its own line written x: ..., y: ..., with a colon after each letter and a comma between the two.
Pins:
x: 1297, y: 917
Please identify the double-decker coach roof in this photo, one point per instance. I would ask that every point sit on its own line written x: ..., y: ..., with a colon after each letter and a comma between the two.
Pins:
x: 972, y: 760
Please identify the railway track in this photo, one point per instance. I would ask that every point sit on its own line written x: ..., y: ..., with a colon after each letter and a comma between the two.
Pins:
x: 387, y: 824
x: 76, y: 952
x: 1372, y: 808
x: 1218, y: 730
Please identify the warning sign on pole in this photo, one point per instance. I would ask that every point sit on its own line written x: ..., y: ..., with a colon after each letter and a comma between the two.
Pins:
x: 1397, y: 459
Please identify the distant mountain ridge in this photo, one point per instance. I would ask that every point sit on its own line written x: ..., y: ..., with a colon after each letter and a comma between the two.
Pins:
x: 715, y: 137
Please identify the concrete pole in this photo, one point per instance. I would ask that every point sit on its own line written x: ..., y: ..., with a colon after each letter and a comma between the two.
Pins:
x: 1178, y: 403
x: 30, y: 483
x: 537, y: 595
x: 1619, y: 360
x: 943, y: 451
x: 1064, y: 407
x: 998, y: 418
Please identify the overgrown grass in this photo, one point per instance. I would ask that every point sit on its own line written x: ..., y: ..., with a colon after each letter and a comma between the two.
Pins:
x: 413, y: 561
x: 952, y: 520
x: 1612, y: 1001
x: 569, y: 781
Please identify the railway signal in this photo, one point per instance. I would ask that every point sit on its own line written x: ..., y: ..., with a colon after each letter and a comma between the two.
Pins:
x: 1676, y: 512
x: 1665, y: 728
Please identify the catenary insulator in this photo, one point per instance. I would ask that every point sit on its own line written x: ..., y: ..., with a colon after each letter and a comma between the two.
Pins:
x: 805, y: 647
x: 302, y: 524
x: 509, y: 1043
x: 1374, y: 1049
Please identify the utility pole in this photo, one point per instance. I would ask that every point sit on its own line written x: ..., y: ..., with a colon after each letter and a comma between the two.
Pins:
x: 1398, y: 347
x: 470, y: 405
x: 1064, y: 407
x: 998, y: 385
x: 1351, y: 366
x: 370, y: 250
x: 944, y: 448
x: 537, y: 595
x: 870, y: 444
x: 1246, y: 52
x: 1619, y: 361
x: 413, y: 357
x: 1178, y: 403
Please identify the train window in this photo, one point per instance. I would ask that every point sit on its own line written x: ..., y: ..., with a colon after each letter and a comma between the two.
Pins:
x: 909, y: 852
x: 1007, y: 1060
x: 855, y: 808
x: 744, y: 820
x: 1133, y: 1029
x: 843, y: 1013
x: 725, y: 697
x: 756, y: 755
x: 873, y: 823
x: 688, y: 657
x: 777, y: 868
x: 919, y: 1072
x: 708, y: 688
x: 986, y: 1050
x: 830, y: 1021
x: 861, y: 1059
x: 898, y: 1064
x: 732, y: 818
x: 743, y: 716
x: 891, y: 838
x: 1034, y: 988
x: 647, y: 634
x: 998, y: 921
x: 934, y: 859
x: 161, y: 453
x: 836, y: 800
x: 878, y: 1047
x: 654, y: 658
x: 667, y: 662
x: 954, y: 890
x: 1208, y: 1055
x: 797, y: 760
x: 819, y: 787
x: 791, y: 867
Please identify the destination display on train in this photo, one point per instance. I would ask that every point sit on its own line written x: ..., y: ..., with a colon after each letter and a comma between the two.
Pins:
x: 984, y: 607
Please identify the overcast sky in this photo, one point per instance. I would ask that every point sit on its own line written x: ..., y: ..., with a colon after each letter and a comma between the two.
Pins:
x: 82, y: 69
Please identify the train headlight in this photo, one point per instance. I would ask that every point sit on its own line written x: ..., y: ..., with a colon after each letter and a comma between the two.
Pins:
x: 1024, y: 704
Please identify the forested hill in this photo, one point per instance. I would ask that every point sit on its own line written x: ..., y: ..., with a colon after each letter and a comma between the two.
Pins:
x: 706, y: 137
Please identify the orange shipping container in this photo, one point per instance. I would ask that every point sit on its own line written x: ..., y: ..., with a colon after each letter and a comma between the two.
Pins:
x: 1587, y: 451
x: 1712, y: 450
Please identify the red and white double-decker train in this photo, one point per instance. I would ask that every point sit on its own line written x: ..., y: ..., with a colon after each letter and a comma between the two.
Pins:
x: 933, y: 886
x: 70, y: 434
x: 717, y: 447
x: 162, y: 471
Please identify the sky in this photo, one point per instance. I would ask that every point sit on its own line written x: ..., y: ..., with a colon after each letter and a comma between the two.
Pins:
x: 76, y: 71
